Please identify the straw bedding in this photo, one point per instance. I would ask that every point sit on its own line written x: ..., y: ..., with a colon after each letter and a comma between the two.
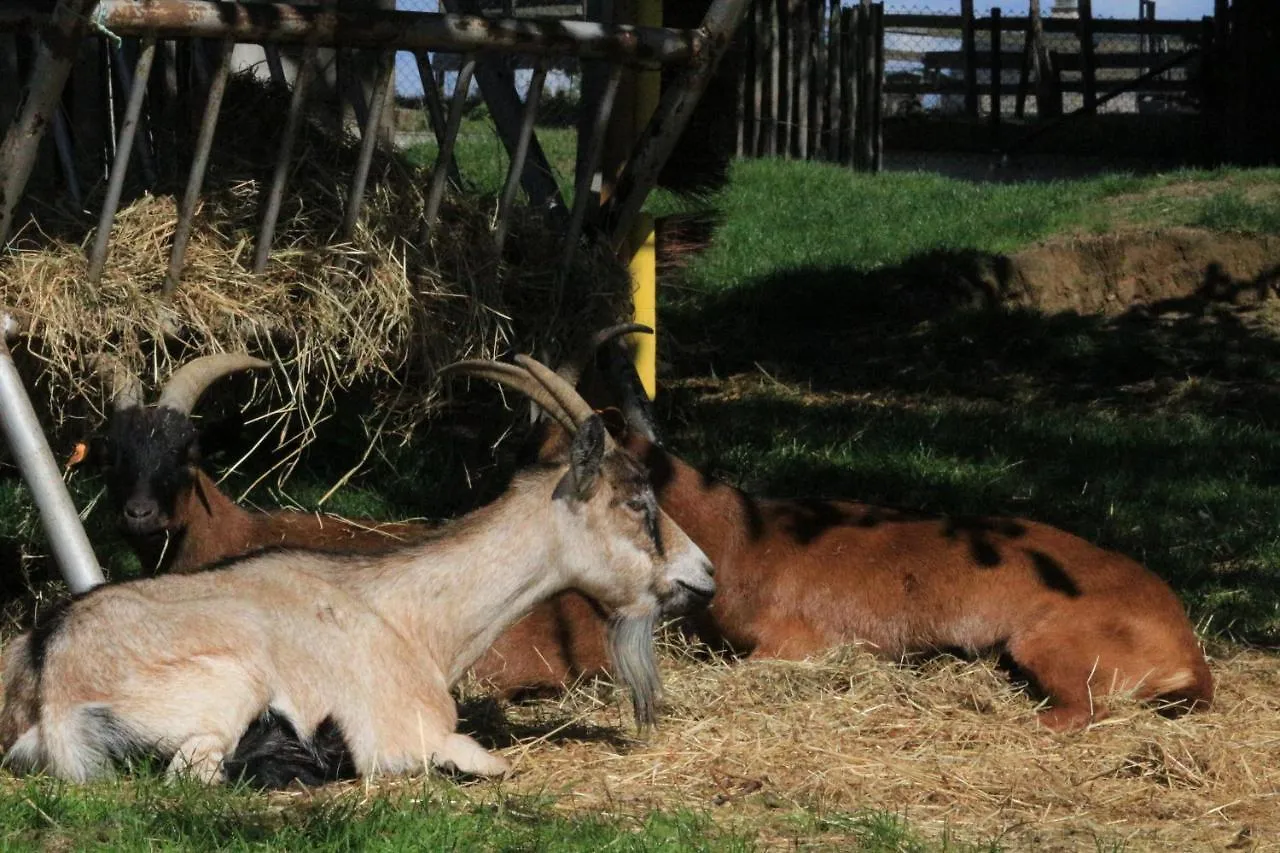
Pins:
x: 951, y: 745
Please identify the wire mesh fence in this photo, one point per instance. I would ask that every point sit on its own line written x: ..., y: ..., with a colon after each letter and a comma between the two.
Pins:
x: 930, y: 69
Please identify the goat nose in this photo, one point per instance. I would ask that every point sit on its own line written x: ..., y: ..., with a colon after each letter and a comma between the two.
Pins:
x: 139, y: 511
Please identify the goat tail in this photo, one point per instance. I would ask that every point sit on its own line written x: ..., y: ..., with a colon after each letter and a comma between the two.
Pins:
x: 80, y: 744
x: 271, y: 754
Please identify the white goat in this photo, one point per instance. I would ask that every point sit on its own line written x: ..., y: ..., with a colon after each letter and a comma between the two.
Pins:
x: 364, y: 647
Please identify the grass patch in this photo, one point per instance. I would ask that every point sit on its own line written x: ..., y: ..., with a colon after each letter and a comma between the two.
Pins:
x: 147, y: 814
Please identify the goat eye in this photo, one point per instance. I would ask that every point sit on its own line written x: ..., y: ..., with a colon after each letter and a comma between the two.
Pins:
x: 637, y: 505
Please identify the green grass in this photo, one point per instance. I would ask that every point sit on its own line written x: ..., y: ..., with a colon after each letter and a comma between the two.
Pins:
x: 149, y: 815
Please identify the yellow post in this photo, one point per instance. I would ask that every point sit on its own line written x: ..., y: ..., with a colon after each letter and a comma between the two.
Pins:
x: 644, y: 269
x: 644, y: 300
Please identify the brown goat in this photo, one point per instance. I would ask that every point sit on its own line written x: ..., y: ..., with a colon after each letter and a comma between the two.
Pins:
x: 797, y: 577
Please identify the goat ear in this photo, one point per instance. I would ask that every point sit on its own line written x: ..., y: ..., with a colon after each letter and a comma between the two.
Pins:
x: 615, y: 422
x: 586, y: 454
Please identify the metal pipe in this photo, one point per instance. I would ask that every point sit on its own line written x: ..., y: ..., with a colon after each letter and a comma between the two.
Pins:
x: 519, y: 156
x: 120, y: 63
x: 58, y: 515
x: 132, y: 112
x: 53, y: 63
x: 435, y: 191
x: 267, y: 231
x: 590, y: 166
x: 66, y: 156
x: 369, y: 142
x: 382, y: 29
x: 199, y: 165
x: 435, y: 110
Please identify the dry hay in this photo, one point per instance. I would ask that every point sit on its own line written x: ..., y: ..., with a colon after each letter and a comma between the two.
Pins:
x: 948, y: 744
x: 380, y: 308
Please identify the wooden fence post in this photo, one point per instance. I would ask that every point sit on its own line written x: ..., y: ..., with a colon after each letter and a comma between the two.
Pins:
x: 970, y: 47
x: 774, y: 51
x: 803, y: 44
x: 816, y: 144
x: 786, y: 77
x: 996, y: 73
x: 758, y: 62
x: 835, y: 77
x: 865, y: 132
x: 1088, y: 68
x: 848, y: 84
x: 877, y: 90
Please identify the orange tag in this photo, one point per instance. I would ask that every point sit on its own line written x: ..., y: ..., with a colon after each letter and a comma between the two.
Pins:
x: 77, y: 455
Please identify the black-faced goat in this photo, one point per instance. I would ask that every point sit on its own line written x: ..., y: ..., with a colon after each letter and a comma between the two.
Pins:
x: 360, y: 649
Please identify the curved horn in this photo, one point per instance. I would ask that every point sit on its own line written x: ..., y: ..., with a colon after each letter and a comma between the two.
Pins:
x: 190, y: 381
x: 518, y: 379
x: 565, y: 394
x: 571, y: 371
x: 126, y: 387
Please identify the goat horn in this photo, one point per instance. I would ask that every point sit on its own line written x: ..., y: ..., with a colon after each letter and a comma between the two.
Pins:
x: 190, y: 381
x: 578, y: 409
x: 571, y: 371
x: 516, y: 378
x: 126, y: 387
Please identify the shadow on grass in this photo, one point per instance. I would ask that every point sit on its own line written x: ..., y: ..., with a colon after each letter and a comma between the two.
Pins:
x: 951, y: 321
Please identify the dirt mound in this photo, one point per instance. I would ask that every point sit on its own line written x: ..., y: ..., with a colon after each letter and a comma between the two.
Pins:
x: 1111, y: 273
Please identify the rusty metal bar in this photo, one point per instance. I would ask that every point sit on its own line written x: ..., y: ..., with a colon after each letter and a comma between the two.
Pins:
x: 381, y: 29
x: 132, y: 113
x: 660, y: 136
x: 120, y: 62
x: 368, y: 143
x: 439, y: 174
x: 435, y: 110
x: 521, y: 153
x: 271, y: 212
x: 590, y: 166
x: 53, y: 62
x: 199, y: 165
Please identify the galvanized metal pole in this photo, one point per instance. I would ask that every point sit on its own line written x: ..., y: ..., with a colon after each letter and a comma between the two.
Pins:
x: 48, y: 77
x: 518, y: 156
x: 199, y: 165
x: 58, y: 515
x: 115, y: 185
x: 373, y: 123
x: 439, y: 172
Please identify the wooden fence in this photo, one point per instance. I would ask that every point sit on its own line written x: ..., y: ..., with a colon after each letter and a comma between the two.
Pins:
x: 812, y: 81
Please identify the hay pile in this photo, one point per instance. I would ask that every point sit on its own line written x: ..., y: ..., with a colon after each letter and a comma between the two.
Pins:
x: 950, y: 745
x: 380, y: 309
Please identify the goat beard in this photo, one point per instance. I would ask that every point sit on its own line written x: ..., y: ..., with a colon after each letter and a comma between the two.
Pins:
x: 631, y: 645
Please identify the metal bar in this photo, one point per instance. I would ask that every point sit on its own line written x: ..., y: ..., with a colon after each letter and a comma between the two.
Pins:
x: 351, y: 88
x: 274, y: 66
x: 199, y: 165
x: 62, y: 528
x: 969, y: 50
x: 381, y: 29
x: 591, y: 164
x: 997, y: 69
x: 1088, y: 69
x: 435, y: 191
x: 133, y: 111
x: 271, y: 212
x: 66, y: 156
x: 435, y: 110
x: 660, y: 136
x: 48, y: 77
x: 512, y: 184
x: 120, y: 63
x: 368, y: 143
